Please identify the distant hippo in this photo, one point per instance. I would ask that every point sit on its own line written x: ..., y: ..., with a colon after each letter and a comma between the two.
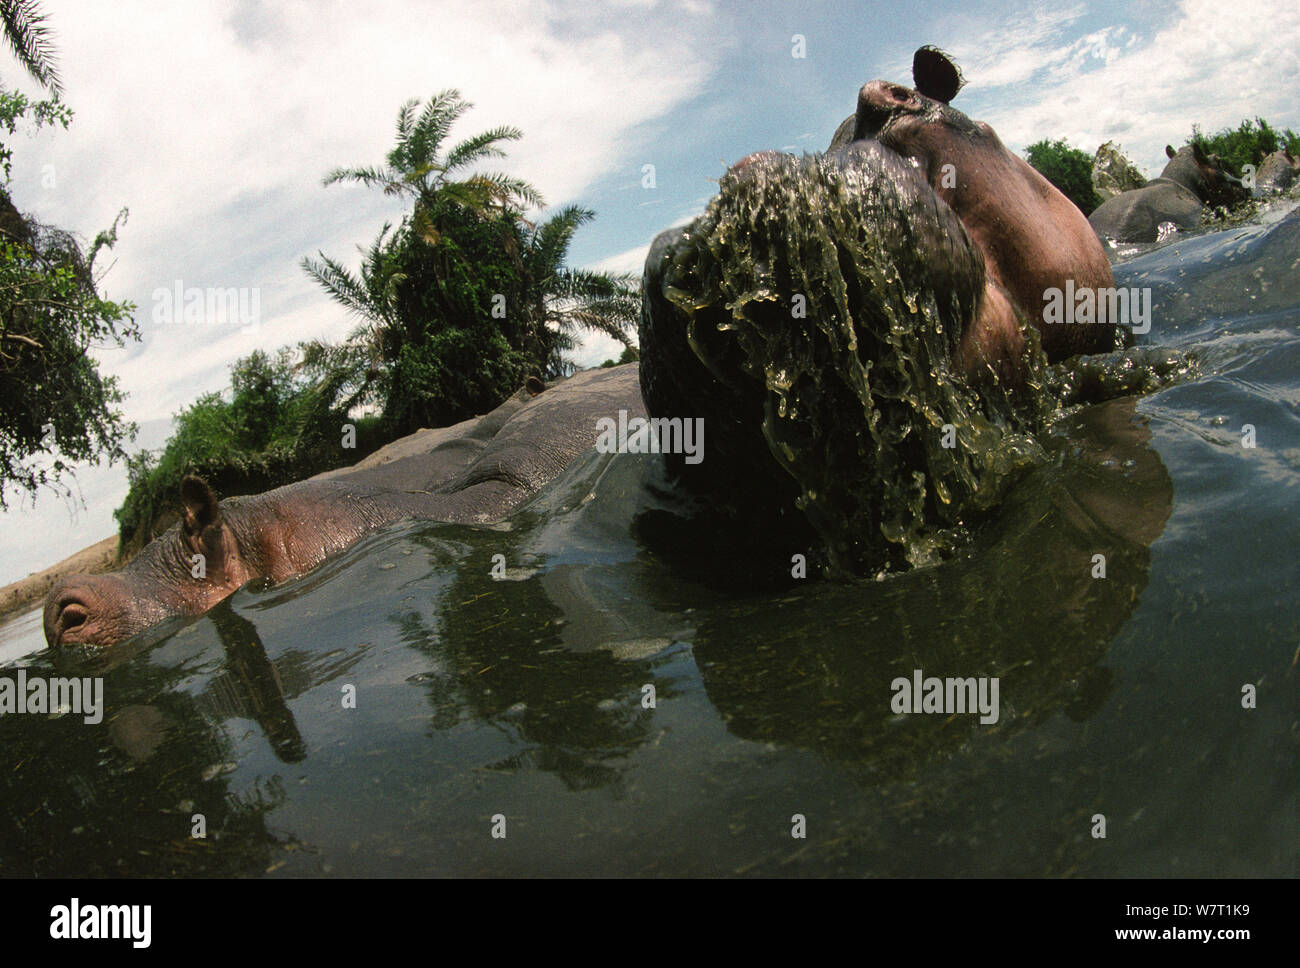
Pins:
x: 478, y: 471
x: 1191, y: 180
x: 1277, y: 173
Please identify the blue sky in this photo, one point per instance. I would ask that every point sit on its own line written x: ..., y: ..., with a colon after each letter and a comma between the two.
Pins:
x: 215, y: 122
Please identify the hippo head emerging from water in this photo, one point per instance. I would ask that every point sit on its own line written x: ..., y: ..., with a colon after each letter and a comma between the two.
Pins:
x: 197, y: 563
x: 863, y: 330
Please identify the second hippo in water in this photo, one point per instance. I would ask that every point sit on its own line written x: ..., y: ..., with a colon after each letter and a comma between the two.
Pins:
x: 477, y: 471
x: 1191, y: 180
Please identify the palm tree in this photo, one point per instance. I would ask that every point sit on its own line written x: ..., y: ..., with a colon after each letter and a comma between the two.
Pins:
x: 29, y: 39
x: 416, y: 169
x: 423, y: 291
x: 562, y: 299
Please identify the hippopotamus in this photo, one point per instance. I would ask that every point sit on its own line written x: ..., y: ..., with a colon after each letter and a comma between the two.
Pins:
x: 1277, y: 173
x: 865, y: 426
x: 918, y: 303
x: 1030, y: 237
x: 478, y: 471
x: 1191, y: 180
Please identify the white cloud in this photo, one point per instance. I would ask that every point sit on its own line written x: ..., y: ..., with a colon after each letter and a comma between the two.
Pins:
x: 1205, y: 66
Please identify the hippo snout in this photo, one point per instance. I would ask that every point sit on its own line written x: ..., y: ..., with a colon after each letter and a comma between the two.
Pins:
x: 68, y: 610
x: 93, y: 610
x: 878, y: 101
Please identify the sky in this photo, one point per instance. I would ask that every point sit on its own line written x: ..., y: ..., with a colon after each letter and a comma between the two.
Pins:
x: 214, y: 124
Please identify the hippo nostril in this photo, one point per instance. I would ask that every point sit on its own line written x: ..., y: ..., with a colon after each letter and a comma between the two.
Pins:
x: 72, y: 615
x: 878, y: 101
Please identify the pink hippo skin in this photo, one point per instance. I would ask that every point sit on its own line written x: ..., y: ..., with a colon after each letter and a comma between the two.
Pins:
x: 1032, y: 237
x: 476, y: 472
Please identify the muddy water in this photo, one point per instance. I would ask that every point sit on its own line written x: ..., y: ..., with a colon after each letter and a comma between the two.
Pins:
x: 524, y: 700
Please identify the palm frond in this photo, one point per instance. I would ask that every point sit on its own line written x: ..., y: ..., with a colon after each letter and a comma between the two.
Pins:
x: 481, y: 145
x: 345, y: 288
x: 30, y: 40
x: 370, y: 177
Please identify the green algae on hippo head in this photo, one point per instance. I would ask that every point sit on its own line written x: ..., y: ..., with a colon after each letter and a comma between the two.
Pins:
x: 828, y: 298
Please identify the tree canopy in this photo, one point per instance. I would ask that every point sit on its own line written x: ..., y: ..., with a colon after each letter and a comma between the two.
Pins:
x: 466, y: 297
x: 1069, y: 169
x: 53, y: 399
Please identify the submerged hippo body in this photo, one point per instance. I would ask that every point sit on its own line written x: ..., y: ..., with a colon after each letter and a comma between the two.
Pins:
x: 1191, y: 180
x: 478, y: 472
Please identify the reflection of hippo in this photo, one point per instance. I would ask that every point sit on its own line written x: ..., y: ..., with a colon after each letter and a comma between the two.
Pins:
x: 478, y: 471
x: 1277, y: 173
x: 1191, y: 180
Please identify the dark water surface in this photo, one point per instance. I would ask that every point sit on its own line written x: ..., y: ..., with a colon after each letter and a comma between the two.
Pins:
x: 523, y: 697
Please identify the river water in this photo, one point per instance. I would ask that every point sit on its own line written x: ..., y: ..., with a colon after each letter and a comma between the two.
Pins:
x: 619, y: 703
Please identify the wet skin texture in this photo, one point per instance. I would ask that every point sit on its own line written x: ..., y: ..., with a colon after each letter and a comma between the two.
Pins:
x: 477, y: 472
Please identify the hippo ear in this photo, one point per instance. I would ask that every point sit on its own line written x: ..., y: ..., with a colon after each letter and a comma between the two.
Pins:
x: 1199, y: 153
x: 534, y: 385
x: 201, y: 510
x: 1169, y: 151
x: 935, y: 75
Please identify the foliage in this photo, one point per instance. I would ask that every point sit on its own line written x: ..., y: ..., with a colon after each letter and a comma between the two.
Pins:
x: 1247, y: 144
x: 630, y: 354
x: 1069, y: 169
x: 52, y: 395
x: 465, y: 298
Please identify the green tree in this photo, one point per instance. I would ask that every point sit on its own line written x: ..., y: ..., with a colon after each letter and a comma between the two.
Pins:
x: 52, y: 395
x: 465, y: 297
x: 1069, y: 169
x: 559, y: 300
x: 630, y: 354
